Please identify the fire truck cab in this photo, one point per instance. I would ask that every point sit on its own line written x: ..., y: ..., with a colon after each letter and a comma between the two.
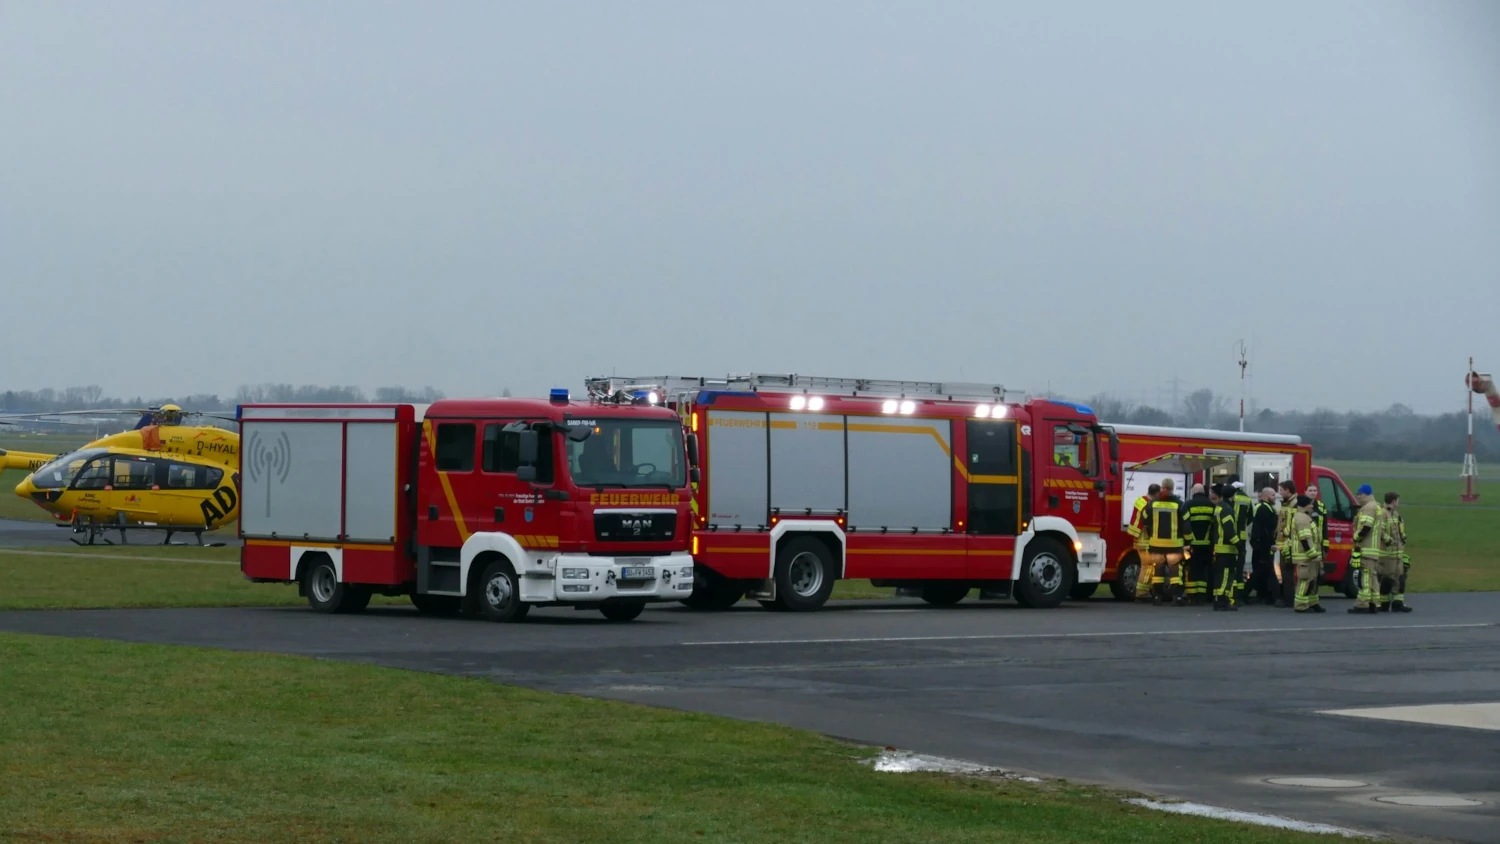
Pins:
x: 488, y: 506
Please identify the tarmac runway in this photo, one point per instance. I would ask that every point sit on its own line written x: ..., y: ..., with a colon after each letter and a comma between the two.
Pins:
x: 1180, y: 703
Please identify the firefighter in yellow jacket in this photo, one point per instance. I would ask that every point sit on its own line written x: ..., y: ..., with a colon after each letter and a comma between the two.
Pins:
x: 1137, y: 531
x: 1163, y: 529
x: 1367, y: 528
x: 1307, y: 552
x: 1286, y: 568
x: 1228, y: 564
x: 1400, y: 563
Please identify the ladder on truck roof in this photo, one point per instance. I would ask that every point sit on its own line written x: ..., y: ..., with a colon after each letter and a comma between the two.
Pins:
x: 675, y: 385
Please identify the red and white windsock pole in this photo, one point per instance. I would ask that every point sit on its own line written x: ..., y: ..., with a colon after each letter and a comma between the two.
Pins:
x: 1484, y: 384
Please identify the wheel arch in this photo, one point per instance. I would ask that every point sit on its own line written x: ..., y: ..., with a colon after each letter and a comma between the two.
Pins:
x: 477, y: 552
x: 823, y: 530
x: 1056, y: 529
x: 303, y: 557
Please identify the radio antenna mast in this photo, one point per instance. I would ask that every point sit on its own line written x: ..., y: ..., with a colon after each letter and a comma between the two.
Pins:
x: 1244, y: 362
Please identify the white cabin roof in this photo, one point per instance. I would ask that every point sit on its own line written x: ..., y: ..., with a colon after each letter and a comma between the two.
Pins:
x: 1205, y: 434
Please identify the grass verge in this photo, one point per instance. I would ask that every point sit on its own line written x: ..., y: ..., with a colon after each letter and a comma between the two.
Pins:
x: 125, y: 742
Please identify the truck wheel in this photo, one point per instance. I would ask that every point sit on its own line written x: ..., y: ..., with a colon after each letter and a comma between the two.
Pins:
x: 1046, y: 576
x: 1083, y: 591
x: 327, y: 595
x: 435, y: 604
x: 1123, y: 586
x: 944, y: 593
x: 623, y: 612
x: 500, y: 594
x: 804, y: 574
x: 1347, y: 587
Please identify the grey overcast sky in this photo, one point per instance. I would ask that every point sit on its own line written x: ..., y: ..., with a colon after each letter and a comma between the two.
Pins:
x: 1091, y: 196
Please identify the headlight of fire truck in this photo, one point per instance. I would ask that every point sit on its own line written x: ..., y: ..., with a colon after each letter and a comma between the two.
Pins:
x: 575, y: 574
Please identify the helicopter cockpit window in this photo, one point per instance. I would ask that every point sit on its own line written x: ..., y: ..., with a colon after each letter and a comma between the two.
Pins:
x: 59, y: 474
x: 134, y: 473
x: 190, y: 476
x: 95, y: 475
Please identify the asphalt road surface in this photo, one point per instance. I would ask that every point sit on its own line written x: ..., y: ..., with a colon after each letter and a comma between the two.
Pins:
x: 1177, y: 702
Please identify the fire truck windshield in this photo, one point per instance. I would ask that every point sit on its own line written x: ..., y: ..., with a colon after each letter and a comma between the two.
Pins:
x: 630, y: 453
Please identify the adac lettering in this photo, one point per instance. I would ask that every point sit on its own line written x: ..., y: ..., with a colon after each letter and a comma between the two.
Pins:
x: 221, y: 505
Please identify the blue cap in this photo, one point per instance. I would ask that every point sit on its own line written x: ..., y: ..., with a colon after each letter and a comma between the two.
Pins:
x: 1364, y: 489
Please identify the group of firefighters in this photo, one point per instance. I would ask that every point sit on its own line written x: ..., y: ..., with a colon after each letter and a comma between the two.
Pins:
x: 1191, y: 550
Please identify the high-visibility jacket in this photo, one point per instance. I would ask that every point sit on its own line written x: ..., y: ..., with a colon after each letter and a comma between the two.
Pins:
x: 1164, y: 524
x: 1136, y: 528
x: 1391, y: 530
x: 1286, y: 514
x: 1305, y: 542
x: 1226, y: 530
x: 1367, y: 526
x: 1320, y: 521
x: 1243, y: 505
x: 1200, y: 519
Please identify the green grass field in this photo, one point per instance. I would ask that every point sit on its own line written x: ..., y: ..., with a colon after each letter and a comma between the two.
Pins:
x: 106, y: 741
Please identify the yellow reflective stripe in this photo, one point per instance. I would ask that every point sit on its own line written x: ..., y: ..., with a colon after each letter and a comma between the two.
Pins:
x: 458, y: 518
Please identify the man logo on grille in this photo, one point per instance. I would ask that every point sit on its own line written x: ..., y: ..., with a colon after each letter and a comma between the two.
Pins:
x: 268, y: 460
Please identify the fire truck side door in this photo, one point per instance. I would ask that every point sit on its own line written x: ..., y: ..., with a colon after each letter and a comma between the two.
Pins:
x: 1073, y: 476
x: 509, y: 504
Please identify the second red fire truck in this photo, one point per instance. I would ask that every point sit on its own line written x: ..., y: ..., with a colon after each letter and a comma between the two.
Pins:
x: 936, y: 489
x: 485, y: 506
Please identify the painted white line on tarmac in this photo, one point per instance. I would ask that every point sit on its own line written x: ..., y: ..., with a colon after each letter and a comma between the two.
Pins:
x: 998, y: 636
x: 1202, y: 811
x: 126, y: 557
x: 1477, y: 716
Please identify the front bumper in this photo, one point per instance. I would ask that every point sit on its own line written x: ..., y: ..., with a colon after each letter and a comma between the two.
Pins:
x: 580, y: 578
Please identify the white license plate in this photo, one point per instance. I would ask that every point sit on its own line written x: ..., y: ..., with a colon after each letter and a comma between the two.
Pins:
x: 637, y: 573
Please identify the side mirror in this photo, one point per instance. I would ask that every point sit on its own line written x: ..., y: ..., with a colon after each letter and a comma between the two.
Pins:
x: 695, y: 475
x: 526, y: 474
x: 1114, y: 448
x: 692, y: 447
x: 526, y: 449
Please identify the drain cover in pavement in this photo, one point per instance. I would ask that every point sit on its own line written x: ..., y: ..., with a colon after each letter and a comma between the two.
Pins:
x: 1316, y: 782
x: 1431, y: 801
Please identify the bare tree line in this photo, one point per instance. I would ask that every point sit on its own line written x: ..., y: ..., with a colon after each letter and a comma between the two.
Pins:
x: 1396, y: 433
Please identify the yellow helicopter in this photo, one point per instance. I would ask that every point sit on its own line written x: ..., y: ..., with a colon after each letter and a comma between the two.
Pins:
x: 161, y: 475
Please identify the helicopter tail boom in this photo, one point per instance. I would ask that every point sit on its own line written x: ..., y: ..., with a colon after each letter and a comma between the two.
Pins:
x: 29, y: 461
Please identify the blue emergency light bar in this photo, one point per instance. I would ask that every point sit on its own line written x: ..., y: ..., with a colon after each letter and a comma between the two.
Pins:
x: 560, y: 395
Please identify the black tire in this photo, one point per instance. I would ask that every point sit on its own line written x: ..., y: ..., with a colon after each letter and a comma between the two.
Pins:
x: 1348, y: 587
x: 436, y: 604
x: 714, y: 592
x: 500, y: 593
x: 1122, y: 588
x: 1047, y: 575
x: 623, y: 612
x: 804, y: 574
x: 1083, y: 591
x: 325, y: 594
x: 944, y: 593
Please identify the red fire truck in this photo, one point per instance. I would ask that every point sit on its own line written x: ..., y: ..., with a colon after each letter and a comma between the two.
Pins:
x: 933, y: 488
x: 488, y: 506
